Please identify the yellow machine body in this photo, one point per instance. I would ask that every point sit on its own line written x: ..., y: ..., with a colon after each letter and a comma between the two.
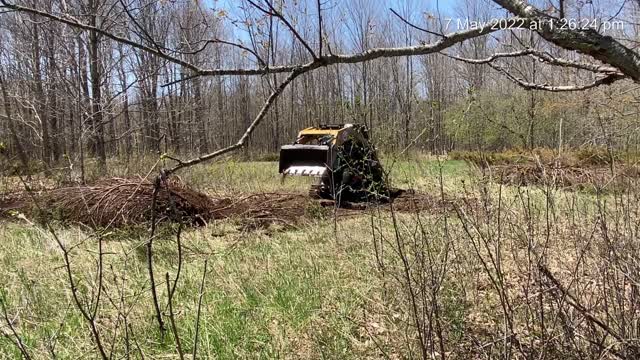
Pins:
x: 314, y: 151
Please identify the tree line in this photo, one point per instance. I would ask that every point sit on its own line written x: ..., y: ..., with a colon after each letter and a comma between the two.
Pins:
x: 71, y: 95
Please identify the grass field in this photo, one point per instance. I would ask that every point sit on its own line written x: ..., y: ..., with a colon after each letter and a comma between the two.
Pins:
x: 377, y: 284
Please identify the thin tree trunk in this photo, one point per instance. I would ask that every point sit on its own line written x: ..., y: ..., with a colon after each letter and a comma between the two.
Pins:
x: 40, y: 99
x: 97, y: 126
x: 12, y: 129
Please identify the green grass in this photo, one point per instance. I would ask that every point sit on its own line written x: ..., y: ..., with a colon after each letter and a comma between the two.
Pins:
x: 422, y: 173
x: 266, y: 296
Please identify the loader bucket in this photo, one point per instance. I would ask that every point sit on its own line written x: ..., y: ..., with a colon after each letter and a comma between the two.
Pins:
x: 305, y: 160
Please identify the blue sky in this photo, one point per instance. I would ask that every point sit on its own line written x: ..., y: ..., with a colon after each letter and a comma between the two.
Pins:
x: 416, y: 9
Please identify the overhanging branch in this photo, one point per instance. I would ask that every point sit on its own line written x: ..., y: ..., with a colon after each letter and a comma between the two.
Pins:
x: 587, y: 41
x: 447, y: 41
x: 606, y: 80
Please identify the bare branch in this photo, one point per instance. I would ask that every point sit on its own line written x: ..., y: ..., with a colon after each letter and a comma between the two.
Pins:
x: 263, y: 112
x: 607, y: 80
x: 611, y: 73
x: 18, y: 339
x: 372, y: 54
x: 318, y: 5
x: 542, y: 56
x: 546, y: 57
x: 157, y: 184
x: 575, y: 303
x: 442, y: 44
x: 198, y: 312
x: 587, y: 41
x: 273, y: 12
x: 140, y: 27
x: 491, y: 58
x: 225, y: 42
x: 415, y: 26
x: 83, y: 26
x: 172, y: 319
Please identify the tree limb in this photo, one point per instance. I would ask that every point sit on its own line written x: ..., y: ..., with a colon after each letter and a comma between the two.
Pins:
x: 606, y: 80
x: 491, y: 58
x: 258, y: 119
x: 372, y: 54
x: 587, y: 41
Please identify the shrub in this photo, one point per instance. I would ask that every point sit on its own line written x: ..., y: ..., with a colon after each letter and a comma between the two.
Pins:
x: 593, y: 155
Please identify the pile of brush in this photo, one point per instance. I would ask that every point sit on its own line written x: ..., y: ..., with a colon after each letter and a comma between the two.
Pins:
x: 564, y: 176
x: 126, y: 201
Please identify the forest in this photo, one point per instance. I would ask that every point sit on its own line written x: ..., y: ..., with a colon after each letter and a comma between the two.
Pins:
x: 74, y: 96
x: 145, y: 211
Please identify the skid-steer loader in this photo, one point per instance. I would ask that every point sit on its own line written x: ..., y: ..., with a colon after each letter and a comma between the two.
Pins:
x: 343, y: 159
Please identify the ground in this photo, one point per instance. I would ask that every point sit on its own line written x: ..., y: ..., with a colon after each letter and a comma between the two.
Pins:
x: 370, y: 284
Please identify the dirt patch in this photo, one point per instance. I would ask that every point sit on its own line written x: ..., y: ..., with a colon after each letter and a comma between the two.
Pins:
x: 411, y: 201
x: 254, y: 211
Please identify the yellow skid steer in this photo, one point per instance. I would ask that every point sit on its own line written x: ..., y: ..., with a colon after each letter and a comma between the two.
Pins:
x: 343, y: 160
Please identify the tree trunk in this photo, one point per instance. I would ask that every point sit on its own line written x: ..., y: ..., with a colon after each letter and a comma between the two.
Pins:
x: 41, y: 102
x: 12, y: 129
x: 97, y: 145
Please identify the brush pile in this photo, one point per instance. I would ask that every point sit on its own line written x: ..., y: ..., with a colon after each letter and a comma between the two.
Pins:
x: 117, y: 202
x: 10, y: 203
x: 572, y: 177
x: 120, y: 201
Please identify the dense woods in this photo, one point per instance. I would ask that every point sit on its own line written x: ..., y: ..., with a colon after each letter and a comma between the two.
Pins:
x: 71, y: 95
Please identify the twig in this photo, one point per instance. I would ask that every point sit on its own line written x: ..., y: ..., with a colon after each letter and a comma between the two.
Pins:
x: 156, y: 188
x: 18, y: 340
x: 172, y: 319
x: 198, y: 312
x: 571, y: 300
x: 273, y: 12
x: 319, y: 27
x: 415, y: 26
x: 90, y: 318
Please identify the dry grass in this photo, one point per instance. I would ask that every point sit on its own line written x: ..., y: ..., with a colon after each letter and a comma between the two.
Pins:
x: 517, y: 272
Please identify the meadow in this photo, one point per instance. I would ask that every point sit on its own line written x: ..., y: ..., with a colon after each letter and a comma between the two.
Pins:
x: 505, y: 271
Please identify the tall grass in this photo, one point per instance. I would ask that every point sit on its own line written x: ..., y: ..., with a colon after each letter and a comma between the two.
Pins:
x: 511, y: 272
